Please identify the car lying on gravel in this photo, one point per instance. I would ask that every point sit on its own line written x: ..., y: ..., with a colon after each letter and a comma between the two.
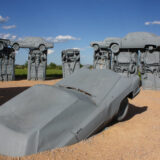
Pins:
x: 135, y: 40
x: 45, y: 117
x: 4, y: 43
x: 32, y: 43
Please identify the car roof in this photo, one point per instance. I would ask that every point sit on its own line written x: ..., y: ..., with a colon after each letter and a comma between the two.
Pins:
x: 33, y: 38
x: 141, y: 34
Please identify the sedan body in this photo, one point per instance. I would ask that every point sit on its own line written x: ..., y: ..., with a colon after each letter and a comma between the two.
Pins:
x: 135, y: 40
x: 140, y: 40
x: 32, y: 43
x: 45, y: 117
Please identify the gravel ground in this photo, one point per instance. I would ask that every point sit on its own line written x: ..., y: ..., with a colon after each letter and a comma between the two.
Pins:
x: 136, y: 138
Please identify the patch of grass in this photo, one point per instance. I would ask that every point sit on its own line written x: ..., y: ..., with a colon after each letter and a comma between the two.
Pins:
x: 50, y: 73
x: 53, y: 73
x: 21, y: 73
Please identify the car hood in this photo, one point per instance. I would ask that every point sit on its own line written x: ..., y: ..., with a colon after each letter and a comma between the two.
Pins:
x: 41, y: 113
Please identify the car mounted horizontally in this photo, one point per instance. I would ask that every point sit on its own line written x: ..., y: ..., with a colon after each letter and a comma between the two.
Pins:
x: 32, y: 43
x: 135, y: 40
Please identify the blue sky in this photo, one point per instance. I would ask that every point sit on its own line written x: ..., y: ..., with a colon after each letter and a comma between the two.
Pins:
x: 76, y: 23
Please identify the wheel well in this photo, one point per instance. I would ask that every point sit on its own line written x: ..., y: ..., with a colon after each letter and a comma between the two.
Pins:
x: 95, y: 44
x: 42, y: 45
x: 154, y: 46
x: 113, y: 43
x: 130, y: 95
x: 15, y: 43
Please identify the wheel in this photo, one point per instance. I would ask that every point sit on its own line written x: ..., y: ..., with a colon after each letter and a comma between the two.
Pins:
x: 115, y: 48
x: 96, y: 47
x: 132, y: 68
x: 15, y: 46
x: 1, y: 46
x: 150, y: 48
x: 123, y: 109
x: 42, y: 47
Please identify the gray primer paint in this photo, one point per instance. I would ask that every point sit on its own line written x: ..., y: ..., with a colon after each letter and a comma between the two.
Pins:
x: 125, y: 62
x: 7, y: 62
x: 124, y: 57
x: 70, y: 61
x: 32, y: 43
x: 4, y: 43
x: 45, y: 117
x: 37, y: 63
x: 150, y: 69
x: 101, y: 59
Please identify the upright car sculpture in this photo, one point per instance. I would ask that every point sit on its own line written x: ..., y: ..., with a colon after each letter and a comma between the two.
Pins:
x: 4, y: 43
x: 45, y: 117
x: 70, y: 61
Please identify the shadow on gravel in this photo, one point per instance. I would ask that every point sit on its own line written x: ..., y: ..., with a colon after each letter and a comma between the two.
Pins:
x: 133, y: 110
x: 8, y: 93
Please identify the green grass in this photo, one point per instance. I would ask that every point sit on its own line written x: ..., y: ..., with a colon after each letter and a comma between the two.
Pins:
x: 21, y: 72
x: 50, y: 73
x: 53, y: 73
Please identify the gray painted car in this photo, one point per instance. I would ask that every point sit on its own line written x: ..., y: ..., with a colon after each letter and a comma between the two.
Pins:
x: 4, y: 43
x: 45, y: 117
x: 32, y: 43
x: 135, y: 40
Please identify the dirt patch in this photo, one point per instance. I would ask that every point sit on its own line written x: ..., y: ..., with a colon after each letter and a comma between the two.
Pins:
x: 136, y: 138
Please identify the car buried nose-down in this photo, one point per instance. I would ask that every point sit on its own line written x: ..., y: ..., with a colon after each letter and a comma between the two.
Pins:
x: 45, y: 117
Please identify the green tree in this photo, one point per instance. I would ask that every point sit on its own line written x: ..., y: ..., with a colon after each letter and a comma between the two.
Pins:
x: 26, y: 64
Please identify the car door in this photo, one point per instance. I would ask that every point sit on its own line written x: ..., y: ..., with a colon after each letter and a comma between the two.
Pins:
x: 133, y: 41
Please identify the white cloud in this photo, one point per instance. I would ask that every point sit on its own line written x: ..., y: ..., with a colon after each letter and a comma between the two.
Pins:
x: 9, y: 27
x: 3, y: 19
x: 8, y: 36
x: 61, y: 38
x: 50, y: 51
x: 151, y: 23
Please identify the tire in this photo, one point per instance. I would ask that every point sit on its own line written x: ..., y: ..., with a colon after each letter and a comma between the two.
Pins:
x: 96, y: 47
x: 123, y: 110
x: 115, y: 48
x: 150, y: 48
x: 15, y: 46
x: 42, y: 47
x: 1, y: 46
x: 132, y: 68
